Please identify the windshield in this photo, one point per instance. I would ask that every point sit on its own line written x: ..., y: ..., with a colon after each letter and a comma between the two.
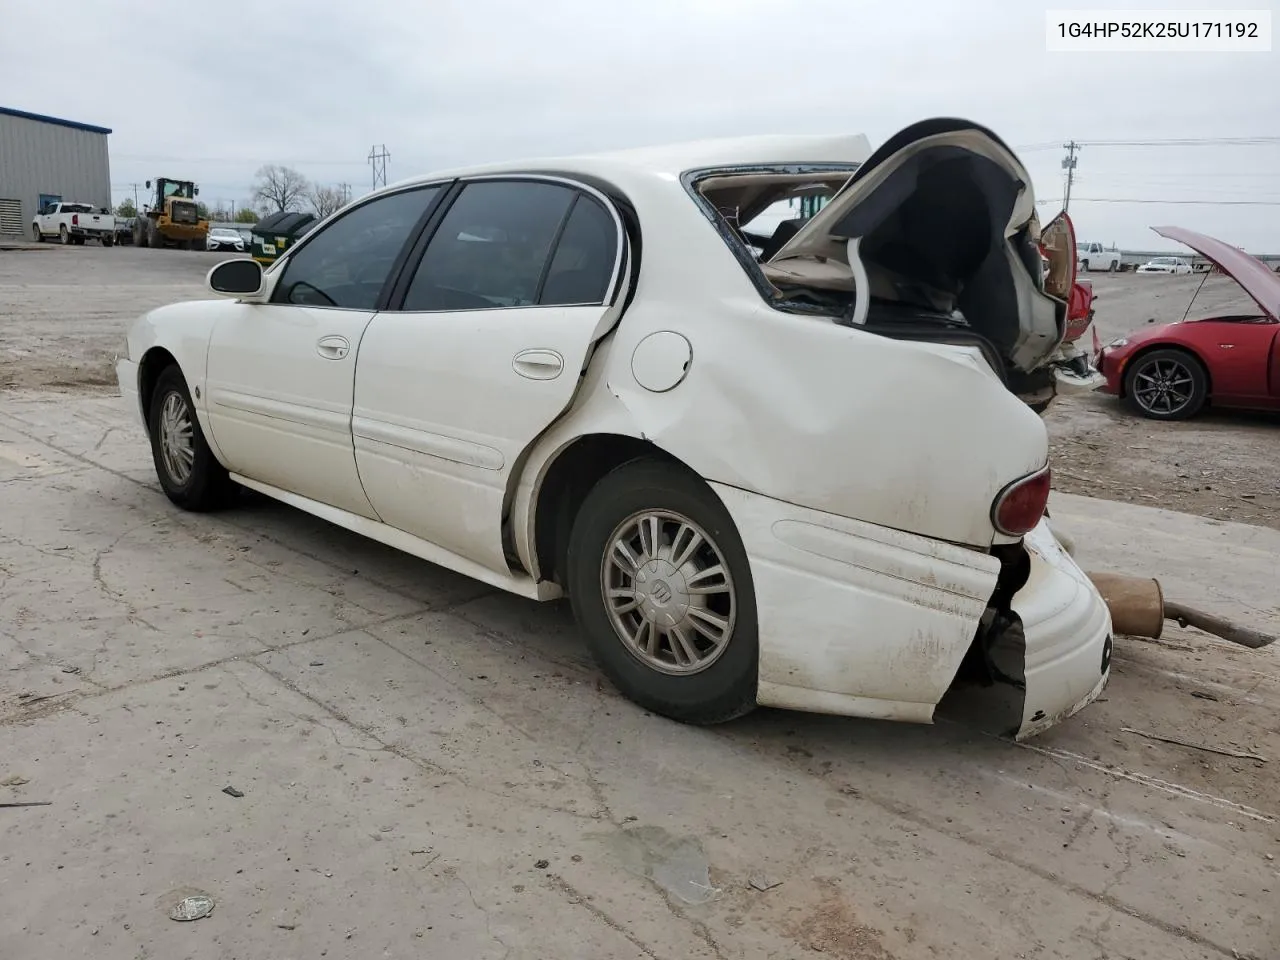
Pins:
x: 76, y: 208
x: 173, y: 189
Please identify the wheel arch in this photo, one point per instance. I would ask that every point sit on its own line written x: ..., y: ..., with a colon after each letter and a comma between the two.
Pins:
x: 153, y: 363
x: 1148, y: 348
x: 565, y: 481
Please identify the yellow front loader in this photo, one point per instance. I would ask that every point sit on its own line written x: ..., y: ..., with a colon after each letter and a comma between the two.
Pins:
x: 171, y: 217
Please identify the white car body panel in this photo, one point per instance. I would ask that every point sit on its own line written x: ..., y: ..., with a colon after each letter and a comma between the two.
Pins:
x: 418, y: 445
x: 279, y: 408
x: 870, y: 554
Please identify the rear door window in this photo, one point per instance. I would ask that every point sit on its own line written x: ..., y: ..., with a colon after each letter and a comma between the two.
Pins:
x: 493, y: 247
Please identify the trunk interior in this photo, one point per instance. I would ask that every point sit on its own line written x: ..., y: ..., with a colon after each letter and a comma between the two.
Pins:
x: 927, y: 236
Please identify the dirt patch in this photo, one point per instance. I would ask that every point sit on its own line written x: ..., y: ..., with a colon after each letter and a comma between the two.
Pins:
x: 1219, y: 465
x: 67, y: 310
x: 830, y: 928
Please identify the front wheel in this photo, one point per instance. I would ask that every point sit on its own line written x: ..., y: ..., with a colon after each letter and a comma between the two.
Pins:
x: 660, y: 585
x: 1167, y: 385
x: 188, y: 471
x: 36, y: 234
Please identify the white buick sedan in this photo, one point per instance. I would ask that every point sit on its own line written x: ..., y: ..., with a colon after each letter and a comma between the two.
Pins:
x: 788, y: 468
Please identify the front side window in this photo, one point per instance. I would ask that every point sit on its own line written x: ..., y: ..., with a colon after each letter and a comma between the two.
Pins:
x: 492, y: 247
x: 347, y: 263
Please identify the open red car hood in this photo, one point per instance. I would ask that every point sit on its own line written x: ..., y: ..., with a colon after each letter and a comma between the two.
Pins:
x: 1252, y: 274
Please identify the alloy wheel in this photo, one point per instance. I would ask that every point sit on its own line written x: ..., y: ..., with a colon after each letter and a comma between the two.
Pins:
x: 1163, y: 386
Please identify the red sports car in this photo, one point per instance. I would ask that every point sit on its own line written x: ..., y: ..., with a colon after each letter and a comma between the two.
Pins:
x: 1170, y: 371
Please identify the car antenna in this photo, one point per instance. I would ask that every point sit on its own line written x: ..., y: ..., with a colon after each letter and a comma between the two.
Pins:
x: 1197, y: 293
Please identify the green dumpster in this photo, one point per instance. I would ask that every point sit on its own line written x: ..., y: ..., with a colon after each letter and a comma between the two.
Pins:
x: 274, y: 234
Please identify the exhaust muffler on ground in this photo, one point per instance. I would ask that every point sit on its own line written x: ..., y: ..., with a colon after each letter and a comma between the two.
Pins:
x: 1139, y: 609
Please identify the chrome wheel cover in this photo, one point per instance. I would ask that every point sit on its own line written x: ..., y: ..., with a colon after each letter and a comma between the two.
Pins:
x: 177, y: 438
x: 668, y: 592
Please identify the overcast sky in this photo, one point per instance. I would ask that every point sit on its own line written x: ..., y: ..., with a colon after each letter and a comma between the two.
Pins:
x: 209, y: 90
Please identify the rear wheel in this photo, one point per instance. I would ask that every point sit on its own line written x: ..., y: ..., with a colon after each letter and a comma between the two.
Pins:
x: 107, y: 241
x: 63, y: 237
x: 188, y: 471
x: 1112, y: 266
x: 660, y: 584
x: 1167, y: 385
x: 1084, y: 266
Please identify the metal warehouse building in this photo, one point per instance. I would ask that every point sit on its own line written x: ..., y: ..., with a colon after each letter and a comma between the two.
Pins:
x: 45, y: 159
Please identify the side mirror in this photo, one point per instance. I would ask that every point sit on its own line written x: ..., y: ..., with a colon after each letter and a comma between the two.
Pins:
x: 236, y: 278
x: 148, y: 184
x: 196, y: 191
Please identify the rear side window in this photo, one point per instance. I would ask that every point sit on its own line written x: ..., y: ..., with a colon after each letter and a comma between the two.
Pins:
x: 582, y: 267
x: 347, y: 263
x: 493, y: 247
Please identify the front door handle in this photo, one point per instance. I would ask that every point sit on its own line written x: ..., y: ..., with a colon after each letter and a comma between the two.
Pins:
x: 538, y: 364
x: 333, y: 348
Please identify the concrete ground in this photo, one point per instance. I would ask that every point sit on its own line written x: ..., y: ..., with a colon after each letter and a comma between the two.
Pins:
x: 430, y: 768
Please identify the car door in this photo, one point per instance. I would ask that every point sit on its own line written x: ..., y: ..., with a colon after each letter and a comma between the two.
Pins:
x: 280, y: 375
x: 493, y: 328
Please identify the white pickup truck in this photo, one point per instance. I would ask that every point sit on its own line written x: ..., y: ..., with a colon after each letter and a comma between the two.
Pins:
x: 1093, y: 256
x: 74, y: 223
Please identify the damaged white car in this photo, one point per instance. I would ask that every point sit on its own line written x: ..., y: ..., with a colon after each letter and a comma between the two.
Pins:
x: 794, y: 470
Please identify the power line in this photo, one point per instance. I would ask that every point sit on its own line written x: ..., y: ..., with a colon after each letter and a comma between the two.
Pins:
x: 1210, y: 203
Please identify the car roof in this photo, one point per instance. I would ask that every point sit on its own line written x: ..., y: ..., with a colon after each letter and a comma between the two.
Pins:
x: 668, y: 161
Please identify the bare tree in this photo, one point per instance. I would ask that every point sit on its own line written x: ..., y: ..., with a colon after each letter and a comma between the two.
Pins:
x: 325, y: 200
x: 279, y: 188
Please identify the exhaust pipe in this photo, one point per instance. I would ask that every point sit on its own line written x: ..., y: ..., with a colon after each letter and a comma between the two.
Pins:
x: 1138, y: 609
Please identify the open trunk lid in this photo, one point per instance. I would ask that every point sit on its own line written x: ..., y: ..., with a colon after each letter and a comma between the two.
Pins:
x: 1262, y: 284
x: 942, y: 218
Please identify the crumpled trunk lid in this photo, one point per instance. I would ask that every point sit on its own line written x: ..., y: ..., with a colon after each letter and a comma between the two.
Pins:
x: 941, y: 218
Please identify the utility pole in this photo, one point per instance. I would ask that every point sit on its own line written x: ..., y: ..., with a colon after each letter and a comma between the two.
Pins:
x: 346, y: 193
x: 378, y: 158
x: 135, y: 194
x: 1069, y: 165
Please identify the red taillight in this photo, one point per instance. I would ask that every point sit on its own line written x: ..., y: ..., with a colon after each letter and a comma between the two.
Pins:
x: 75, y: 219
x: 1020, y: 505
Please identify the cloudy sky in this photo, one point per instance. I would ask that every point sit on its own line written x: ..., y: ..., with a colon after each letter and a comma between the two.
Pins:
x: 208, y: 90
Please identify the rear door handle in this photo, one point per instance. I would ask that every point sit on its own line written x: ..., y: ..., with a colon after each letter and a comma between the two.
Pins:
x: 333, y: 348
x: 538, y: 364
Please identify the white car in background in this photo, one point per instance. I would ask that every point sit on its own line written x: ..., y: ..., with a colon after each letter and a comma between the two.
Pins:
x: 224, y: 238
x: 801, y: 479
x: 1174, y: 265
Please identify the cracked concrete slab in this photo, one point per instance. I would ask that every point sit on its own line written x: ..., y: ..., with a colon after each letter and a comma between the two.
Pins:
x: 433, y: 768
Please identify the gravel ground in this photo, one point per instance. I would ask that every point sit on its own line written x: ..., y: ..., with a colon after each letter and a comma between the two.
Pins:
x: 65, y: 311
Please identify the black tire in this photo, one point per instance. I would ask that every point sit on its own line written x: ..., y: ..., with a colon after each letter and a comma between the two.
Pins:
x: 1112, y: 266
x: 35, y: 231
x: 1084, y: 266
x: 107, y: 241
x: 725, y: 687
x: 207, y: 485
x: 139, y: 234
x: 1186, y: 384
x: 63, y: 237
